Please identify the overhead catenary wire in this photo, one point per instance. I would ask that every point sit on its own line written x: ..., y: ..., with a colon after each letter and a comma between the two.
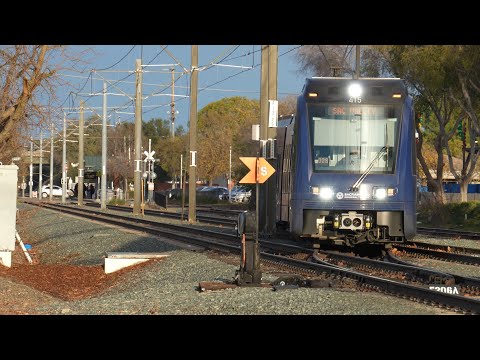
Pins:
x: 119, y: 61
x: 107, y: 68
x: 210, y: 87
x: 229, y: 77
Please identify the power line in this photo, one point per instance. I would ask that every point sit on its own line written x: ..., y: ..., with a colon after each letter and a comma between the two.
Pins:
x: 187, y: 79
x: 70, y: 94
x: 243, y: 55
x: 119, y: 61
x: 229, y: 77
x: 286, y: 52
x: 157, y: 55
x: 214, y: 61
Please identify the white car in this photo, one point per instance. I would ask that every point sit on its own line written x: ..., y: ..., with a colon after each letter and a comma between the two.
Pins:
x: 56, y: 191
x: 241, y: 194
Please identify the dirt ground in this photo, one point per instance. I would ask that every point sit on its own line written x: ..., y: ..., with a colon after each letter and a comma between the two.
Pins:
x: 62, y: 281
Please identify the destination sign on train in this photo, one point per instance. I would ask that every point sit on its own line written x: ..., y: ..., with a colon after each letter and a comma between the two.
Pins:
x: 356, y: 110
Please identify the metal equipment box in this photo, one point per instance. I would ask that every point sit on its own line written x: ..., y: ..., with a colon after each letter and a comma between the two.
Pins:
x: 8, y: 211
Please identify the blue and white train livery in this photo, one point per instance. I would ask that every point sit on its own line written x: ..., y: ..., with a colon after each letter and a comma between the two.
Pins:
x: 347, y: 163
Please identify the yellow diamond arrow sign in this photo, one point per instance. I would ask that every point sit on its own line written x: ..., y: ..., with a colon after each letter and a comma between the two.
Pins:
x: 263, y: 170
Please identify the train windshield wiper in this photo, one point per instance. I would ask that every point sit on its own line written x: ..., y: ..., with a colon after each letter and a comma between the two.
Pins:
x: 362, y: 177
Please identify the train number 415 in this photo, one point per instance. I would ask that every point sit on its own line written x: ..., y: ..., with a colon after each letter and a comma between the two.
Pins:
x: 355, y: 99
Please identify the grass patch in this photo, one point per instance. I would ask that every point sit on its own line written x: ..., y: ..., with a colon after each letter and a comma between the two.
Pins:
x: 116, y: 202
x: 465, y: 215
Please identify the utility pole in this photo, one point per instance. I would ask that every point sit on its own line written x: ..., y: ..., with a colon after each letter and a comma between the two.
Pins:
x: 51, y: 161
x: 271, y: 183
x: 181, y: 170
x: 138, y: 138
x: 262, y: 190
x: 268, y: 91
x: 40, y: 166
x: 30, y: 183
x: 172, y: 110
x: 230, y: 177
x: 80, y: 157
x: 64, y: 159
x: 357, y: 61
x: 192, y: 187
x: 103, y: 205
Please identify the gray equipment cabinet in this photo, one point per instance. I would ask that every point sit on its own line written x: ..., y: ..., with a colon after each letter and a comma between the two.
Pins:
x: 8, y: 212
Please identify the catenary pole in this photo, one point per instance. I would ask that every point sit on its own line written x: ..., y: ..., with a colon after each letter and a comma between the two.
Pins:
x: 80, y: 156
x: 51, y: 161
x: 192, y: 194
x: 138, y: 138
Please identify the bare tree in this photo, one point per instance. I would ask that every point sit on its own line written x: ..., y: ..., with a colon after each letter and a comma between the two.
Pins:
x: 287, y: 105
x: 322, y: 59
x: 29, y: 79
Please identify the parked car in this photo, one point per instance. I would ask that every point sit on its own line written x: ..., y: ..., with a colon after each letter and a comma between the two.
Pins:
x: 56, y: 191
x: 175, y: 193
x: 214, y: 192
x: 241, y: 194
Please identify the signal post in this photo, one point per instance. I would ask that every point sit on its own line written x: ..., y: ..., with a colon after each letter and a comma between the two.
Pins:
x: 250, y: 273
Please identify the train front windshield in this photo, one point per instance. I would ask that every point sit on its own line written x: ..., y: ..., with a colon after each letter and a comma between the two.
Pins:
x: 350, y: 138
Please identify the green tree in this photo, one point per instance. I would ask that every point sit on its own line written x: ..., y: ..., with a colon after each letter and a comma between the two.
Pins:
x: 430, y: 76
x: 221, y: 124
x: 466, y: 67
x: 168, y: 149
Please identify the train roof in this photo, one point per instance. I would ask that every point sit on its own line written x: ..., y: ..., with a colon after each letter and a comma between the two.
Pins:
x: 349, y: 78
x: 335, y: 84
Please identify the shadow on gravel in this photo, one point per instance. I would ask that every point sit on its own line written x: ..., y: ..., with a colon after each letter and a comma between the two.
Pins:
x: 146, y: 244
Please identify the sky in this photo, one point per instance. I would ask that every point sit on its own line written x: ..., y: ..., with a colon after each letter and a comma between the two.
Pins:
x: 116, y: 62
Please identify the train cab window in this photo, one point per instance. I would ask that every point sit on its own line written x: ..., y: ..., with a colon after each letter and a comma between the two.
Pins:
x: 351, y: 138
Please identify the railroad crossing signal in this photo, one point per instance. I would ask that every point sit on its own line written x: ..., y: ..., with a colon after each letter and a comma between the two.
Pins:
x: 149, y: 155
x: 262, y: 169
x: 153, y: 175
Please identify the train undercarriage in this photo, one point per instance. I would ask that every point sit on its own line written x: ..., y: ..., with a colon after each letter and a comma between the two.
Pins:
x: 352, y: 228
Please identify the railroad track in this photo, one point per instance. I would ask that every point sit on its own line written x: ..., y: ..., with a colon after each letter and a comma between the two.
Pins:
x: 441, y: 252
x: 449, y: 233
x: 201, y: 218
x: 224, y: 243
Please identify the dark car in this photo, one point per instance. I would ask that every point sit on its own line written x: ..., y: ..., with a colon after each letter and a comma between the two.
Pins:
x: 175, y: 193
x: 213, y: 192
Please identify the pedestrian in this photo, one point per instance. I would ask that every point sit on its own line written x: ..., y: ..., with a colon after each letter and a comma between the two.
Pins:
x: 92, y: 191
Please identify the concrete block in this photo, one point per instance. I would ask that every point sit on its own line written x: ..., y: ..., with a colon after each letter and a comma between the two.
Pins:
x: 119, y: 260
x: 6, y: 258
x: 114, y: 264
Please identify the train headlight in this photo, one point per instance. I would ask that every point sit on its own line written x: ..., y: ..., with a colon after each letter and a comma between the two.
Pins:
x: 355, y: 90
x: 326, y: 193
x: 380, y: 193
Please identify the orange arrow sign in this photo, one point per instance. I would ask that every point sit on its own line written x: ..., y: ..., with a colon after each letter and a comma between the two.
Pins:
x: 263, y: 170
